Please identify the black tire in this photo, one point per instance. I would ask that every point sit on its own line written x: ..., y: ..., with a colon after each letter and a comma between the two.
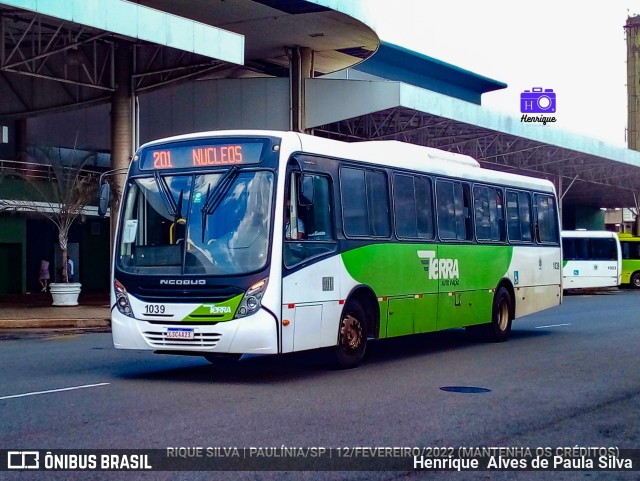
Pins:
x: 222, y: 359
x: 635, y: 280
x: 352, y: 336
x: 499, y: 328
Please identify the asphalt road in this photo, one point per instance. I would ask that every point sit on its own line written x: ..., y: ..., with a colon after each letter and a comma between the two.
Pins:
x: 568, y: 376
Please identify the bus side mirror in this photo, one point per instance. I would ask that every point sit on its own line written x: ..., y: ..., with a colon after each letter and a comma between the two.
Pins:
x: 103, y: 203
x: 305, y: 191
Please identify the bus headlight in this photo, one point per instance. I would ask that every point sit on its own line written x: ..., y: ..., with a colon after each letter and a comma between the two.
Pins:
x: 252, y: 299
x: 122, y: 299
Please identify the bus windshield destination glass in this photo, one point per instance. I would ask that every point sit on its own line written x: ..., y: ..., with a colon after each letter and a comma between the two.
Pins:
x: 261, y: 242
x: 202, y: 155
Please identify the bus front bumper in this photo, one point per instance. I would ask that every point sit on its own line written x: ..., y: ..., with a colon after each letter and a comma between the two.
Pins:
x: 256, y: 334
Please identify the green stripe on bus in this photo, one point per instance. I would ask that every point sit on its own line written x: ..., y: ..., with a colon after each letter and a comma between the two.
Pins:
x: 405, y: 269
x: 429, y: 286
x: 215, y: 312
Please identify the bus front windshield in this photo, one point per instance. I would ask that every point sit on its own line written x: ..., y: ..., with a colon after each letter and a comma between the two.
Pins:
x: 214, y: 223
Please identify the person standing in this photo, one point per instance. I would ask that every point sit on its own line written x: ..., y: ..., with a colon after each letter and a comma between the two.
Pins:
x: 70, y: 272
x: 43, y: 275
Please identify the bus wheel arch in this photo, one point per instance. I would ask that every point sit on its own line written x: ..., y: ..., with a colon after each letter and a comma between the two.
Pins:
x: 506, y: 284
x: 503, y: 308
x: 365, y: 296
x: 502, y: 313
x: 358, y: 322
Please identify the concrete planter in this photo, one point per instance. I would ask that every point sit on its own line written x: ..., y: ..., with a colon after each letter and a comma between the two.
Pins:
x: 65, y: 294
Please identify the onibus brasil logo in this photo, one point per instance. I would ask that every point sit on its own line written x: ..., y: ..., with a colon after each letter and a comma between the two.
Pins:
x: 445, y: 270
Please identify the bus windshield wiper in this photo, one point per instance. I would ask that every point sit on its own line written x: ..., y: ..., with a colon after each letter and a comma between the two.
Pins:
x: 168, y: 199
x: 179, y: 218
x: 215, y: 196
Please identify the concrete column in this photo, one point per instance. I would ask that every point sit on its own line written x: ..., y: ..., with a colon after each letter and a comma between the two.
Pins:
x: 300, y: 68
x: 121, y: 122
x: 632, y: 28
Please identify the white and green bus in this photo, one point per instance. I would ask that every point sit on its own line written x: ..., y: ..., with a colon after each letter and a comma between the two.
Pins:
x: 264, y: 242
x: 591, y: 259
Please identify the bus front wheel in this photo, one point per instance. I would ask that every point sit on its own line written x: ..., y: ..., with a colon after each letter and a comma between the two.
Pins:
x: 635, y: 280
x: 352, y: 336
x: 499, y: 328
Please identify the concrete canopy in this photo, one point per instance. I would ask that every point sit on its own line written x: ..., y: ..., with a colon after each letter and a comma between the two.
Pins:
x: 338, y: 40
x: 393, y: 62
x: 585, y: 171
x: 58, y: 55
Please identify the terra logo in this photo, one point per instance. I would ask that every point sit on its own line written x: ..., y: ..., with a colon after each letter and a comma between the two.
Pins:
x: 439, y: 268
x: 219, y: 310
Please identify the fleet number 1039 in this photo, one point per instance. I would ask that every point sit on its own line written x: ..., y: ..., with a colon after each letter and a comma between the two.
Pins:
x: 154, y: 309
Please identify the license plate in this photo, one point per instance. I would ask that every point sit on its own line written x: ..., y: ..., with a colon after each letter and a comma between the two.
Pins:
x: 179, y: 333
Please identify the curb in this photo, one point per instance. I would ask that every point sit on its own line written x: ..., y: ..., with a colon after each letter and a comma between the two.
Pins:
x: 52, y: 323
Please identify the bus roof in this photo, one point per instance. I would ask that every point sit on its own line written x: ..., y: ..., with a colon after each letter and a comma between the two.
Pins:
x: 402, y: 155
x: 384, y: 153
x: 588, y: 233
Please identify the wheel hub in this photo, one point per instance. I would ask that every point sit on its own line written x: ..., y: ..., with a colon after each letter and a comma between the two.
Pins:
x: 351, y: 332
x: 503, y: 316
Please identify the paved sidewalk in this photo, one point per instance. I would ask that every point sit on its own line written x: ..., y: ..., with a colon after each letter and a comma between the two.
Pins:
x: 34, y: 311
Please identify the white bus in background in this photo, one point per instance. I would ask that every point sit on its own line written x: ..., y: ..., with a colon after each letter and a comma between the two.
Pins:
x: 591, y: 259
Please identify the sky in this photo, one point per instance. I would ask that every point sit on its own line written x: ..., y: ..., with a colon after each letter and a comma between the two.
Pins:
x: 576, y: 48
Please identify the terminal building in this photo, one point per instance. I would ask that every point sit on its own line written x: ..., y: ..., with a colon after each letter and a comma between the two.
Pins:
x: 108, y: 75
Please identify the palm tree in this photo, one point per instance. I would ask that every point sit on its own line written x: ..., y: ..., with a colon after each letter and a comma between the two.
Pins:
x: 56, y: 190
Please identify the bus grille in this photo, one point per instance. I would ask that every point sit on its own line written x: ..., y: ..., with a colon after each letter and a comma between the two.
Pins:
x: 200, y: 339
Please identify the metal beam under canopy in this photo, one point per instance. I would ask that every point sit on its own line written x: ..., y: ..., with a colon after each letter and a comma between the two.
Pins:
x: 56, y: 54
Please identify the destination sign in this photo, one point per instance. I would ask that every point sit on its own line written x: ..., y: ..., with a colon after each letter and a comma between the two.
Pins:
x: 202, y: 155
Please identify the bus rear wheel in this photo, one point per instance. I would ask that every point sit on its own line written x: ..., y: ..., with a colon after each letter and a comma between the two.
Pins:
x: 499, y: 328
x: 635, y: 280
x: 352, y: 336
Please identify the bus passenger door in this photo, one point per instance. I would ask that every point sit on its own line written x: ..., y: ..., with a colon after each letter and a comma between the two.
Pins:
x: 310, y: 286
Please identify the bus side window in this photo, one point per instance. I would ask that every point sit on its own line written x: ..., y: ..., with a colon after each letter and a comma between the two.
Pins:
x: 365, y: 202
x: 319, y: 213
x: 454, y: 210
x: 489, y: 219
x: 378, y: 204
x: 546, y: 220
x: 413, y: 207
x: 315, y: 222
